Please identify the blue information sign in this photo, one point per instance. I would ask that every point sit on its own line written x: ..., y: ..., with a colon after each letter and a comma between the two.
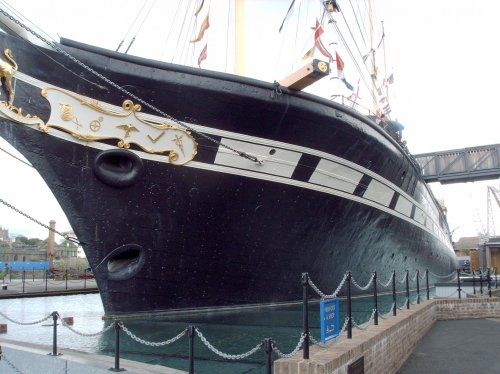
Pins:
x: 329, y: 311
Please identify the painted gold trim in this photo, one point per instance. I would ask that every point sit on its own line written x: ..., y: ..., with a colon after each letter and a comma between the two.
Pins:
x: 90, y: 120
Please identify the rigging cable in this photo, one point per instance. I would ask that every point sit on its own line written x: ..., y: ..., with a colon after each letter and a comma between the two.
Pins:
x: 140, y: 27
x: 132, y: 25
x: 53, y: 45
x: 180, y: 38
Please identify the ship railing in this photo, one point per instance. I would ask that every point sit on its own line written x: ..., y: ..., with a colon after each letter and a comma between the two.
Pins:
x: 268, y: 345
x: 33, y: 281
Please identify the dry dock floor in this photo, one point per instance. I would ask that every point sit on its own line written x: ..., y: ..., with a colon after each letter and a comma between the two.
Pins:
x: 457, y: 346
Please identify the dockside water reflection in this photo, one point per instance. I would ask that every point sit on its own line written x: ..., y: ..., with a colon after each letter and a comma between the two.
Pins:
x: 231, y: 333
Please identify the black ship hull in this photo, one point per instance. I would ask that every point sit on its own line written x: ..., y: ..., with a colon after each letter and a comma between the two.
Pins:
x: 278, y: 182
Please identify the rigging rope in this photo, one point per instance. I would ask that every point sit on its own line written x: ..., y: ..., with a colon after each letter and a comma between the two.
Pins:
x: 132, y: 25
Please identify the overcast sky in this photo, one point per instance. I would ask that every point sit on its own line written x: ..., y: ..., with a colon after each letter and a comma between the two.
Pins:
x: 442, y: 53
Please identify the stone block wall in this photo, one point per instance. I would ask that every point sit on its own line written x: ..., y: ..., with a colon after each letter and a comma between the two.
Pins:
x: 387, y: 346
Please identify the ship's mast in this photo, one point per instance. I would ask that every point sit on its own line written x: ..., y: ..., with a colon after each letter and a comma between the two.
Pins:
x: 239, y: 47
x: 372, y: 57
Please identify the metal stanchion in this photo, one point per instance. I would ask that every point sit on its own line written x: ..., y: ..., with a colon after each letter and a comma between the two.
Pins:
x: 496, y: 283
x: 117, y: 347
x: 488, y: 279
x: 375, y: 301
x: 427, y: 282
x: 305, y: 316
x: 66, y: 278
x: 407, y: 291
x: 394, y: 300
x: 349, y: 311
x: 474, y: 281
x: 418, y: 287
x: 54, y: 335
x: 268, y: 348
x: 481, y: 281
x: 46, y: 279
x: 191, y: 331
x: 458, y: 280
x: 24, y: 278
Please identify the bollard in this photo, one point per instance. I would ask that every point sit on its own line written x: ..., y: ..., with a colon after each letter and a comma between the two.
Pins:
x: 394, y: 300
x: 54, y: 335
x: 407, y: 291
x: 458, y: 280
x: 305, y: 316
x: 191, y: 331
x: 117, y: 347
x: 375, y: 301
x: 268, y: 348
x: 474, y: 281
x: 488, y: 279
x: 349, y: 312
x: 427, y: 282
x: 418, y: 287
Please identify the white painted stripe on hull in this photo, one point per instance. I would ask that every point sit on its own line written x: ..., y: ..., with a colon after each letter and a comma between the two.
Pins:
x: 274, y: 160
x: 337, y: 176
x: 379, y: 193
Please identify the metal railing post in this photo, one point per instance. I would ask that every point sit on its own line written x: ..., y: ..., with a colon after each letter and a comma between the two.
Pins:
x: 407, y: 291
x: 54, y: 334
x: 268, y: 348
x: 24, y: 277
x: 46, y: 279
x: 191, y: 331
x: 305, y: 316
x: 488, y: 279
x: 481, y: 281
x: 375, y: 301
x: 427, y: 282
x: 458, y: 280
x: 474, y: 281
x: 117, y: 347
x: 418, y: 287
x: 394, y: 299
x: 349, y: 311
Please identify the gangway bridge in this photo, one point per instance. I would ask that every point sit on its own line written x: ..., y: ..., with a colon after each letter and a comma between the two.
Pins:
x: 461, y: 165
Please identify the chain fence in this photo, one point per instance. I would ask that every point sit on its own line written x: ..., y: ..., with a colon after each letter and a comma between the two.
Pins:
x: 268, y: 345
x: 367, y: 286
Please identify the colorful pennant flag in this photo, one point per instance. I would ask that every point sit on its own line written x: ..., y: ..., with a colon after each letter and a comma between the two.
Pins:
x: 203, y: 55
x: 340, y: 72
x: 318, y: 31
x: 204, y: 26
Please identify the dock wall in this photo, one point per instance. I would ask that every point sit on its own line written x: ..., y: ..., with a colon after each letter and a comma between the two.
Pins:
x: 384, y: 348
